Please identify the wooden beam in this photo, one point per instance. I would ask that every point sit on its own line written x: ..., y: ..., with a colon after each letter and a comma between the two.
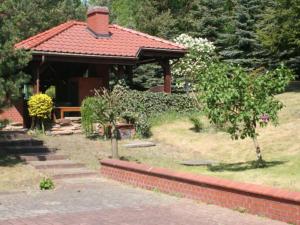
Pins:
x: 159, y: 53
x: 89, y: 60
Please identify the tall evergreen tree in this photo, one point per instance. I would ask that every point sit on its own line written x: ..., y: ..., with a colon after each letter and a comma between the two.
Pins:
x: 239, y: 44
x: 208, y: 18
x: 279, y: 30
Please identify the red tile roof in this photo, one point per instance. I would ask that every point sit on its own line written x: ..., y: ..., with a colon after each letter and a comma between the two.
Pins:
x: 73, y: 38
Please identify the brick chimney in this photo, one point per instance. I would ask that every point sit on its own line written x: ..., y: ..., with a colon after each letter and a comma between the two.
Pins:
x: 98, y: 21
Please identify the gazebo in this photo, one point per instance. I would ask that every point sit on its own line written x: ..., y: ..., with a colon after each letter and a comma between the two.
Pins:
x: 77, y: 57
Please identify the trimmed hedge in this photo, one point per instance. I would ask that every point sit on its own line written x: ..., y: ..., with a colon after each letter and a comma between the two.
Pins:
x: 137, y: 107
x: 150, y: 103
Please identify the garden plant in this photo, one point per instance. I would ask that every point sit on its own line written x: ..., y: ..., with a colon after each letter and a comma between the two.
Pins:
x: 241, y: 101
x: 40, y: 107
x: 103, y: 109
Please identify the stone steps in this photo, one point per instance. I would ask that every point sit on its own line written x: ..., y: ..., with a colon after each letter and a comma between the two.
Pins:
x: 25, y: 149
x: 56, y: 164
x: 36, y: 154
x: 41, y: 157
x: 20, y: 142
x: 67, y: 173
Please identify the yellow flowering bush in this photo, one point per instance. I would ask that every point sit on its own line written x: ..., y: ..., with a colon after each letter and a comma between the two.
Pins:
x: 40, y: 106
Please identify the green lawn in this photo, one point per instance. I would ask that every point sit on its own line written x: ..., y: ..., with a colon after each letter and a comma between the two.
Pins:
x: 177, y: 142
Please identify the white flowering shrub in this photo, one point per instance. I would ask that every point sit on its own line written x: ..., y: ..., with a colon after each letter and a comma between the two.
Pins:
x: 200, y: 53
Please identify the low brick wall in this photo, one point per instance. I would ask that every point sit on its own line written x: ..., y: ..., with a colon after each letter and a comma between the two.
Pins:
x: 13, y: 113
x: 255, y: 199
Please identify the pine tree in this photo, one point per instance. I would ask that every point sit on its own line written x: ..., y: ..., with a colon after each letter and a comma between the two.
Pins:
x: 208, y: 18
x: 20, y: 19
x: 239, y: 44
x: 279, y: 31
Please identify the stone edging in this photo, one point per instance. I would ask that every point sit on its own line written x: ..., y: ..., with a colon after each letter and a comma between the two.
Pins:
x: 270, y: 202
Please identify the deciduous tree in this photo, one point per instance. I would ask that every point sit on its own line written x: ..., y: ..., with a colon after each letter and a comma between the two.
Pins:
x: 242, y: 102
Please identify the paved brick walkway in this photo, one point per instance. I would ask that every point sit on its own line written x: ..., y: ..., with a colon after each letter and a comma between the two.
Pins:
x: 109, y: 203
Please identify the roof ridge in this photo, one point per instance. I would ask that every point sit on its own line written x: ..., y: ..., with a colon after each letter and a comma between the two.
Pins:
x: 58, y: 29
x: 148, y: 36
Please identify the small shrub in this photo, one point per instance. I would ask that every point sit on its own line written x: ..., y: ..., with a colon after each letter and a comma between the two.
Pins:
x: 88, y: 116
x: 51, y: 92
x: 46, y: 184
x: 40, y: 107
x: 3, y: 123
x: 198, y: 125
x: 143, y: 126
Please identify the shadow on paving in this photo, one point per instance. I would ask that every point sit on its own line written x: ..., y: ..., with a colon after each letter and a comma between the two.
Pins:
x: 242, y: 166
x: 9, y: 160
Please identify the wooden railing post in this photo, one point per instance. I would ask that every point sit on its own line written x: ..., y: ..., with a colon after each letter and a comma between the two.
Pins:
x: 167, y: 75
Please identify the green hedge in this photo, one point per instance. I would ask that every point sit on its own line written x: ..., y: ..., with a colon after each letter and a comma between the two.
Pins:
x: 137, y: 107
x: 150, y: 103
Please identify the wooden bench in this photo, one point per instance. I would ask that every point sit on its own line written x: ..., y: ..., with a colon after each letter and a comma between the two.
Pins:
x: 64, y: 109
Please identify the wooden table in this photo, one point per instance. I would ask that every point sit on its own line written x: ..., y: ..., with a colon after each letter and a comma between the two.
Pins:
x: 64, y: 109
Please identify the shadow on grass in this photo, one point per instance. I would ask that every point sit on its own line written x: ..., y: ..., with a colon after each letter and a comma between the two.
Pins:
x: 243, y: 166
x: 129, y: 159
x: 9, y: 160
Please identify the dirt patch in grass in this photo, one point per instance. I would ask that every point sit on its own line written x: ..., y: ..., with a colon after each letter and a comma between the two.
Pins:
x: 176, y: 141
x: 15, y: 175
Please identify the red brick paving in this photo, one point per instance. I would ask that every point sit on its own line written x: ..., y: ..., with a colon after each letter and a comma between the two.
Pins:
x: 167, y: 215
x: 111, y: 203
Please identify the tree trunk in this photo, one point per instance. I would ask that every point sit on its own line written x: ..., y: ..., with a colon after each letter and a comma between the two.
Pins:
x: 32, y: 126
x: 43, y: 127
x: 114, y: 142
x: 257, y: 149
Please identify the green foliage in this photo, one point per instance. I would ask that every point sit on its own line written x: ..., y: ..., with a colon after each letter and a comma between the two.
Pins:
x: 143, y: 126
x: 141, y: 106
x: 234, y: 98
x: 11, y: 76
x: 201, y: 53
x: 17, y: 22
x: 208, y: 18
x: 240, y: 101
x: 279, y: 30
x: 51, y: 92
x: 46, y: 184
x: 198, y: 125
x: 239, y: 44
x: 147, y: 76
x: 89, y: 108
x: 3, y: 123
x: 134, y: 106
x: 150, y: 104
x: 103, y: 109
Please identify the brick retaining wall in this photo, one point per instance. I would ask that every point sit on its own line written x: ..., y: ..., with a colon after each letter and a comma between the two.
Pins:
x: 255, y: 199
x: 13, y: 113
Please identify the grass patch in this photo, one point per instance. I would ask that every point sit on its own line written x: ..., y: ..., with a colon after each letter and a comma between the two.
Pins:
x: 15, y: 175
x: 172, y: 116
x: 177, y: 141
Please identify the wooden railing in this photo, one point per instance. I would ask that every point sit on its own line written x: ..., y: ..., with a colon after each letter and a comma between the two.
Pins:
x: 64, y: 109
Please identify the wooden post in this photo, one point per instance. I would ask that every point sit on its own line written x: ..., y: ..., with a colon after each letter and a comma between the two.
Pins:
x: 120, y: 72
x: 129, y: 74
x: 102, y: 71
x: 167, y: 75
x: 38, y: 80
